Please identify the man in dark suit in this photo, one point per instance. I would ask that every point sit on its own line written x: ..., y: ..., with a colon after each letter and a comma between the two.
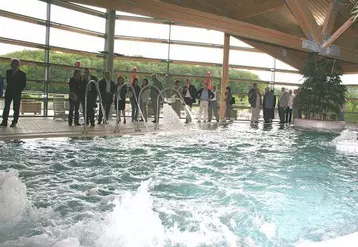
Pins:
x: 189, y: 93
x: 16, y: 83
x: 91, y: 96
x: 107, y: 89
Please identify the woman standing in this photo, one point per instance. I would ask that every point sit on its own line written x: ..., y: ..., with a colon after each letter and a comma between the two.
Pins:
x: 144, y: 101
x: 134, y: 96
x: 256, y: 107
x: 122, y: 98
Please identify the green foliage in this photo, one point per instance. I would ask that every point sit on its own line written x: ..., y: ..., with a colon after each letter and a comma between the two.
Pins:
x: 322, y: 94
x: 62, y: 75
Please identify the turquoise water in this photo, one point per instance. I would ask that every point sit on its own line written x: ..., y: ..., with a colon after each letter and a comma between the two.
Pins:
x: 230, y: 186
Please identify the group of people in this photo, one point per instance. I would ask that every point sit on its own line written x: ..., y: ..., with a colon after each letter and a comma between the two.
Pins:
x: 109, y: 91
x: 268, y: 102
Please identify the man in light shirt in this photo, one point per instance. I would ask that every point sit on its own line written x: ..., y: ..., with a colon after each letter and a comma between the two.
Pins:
x: 213, y: 106
x: 289, y: 108
x: 282, y: 104
x: 204, y: 95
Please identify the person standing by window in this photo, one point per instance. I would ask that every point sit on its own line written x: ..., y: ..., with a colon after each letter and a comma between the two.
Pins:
x: 213, y: 105
x: 282, y: 104
x: 121, y: 91
x: 1, y: 86
x: 134, y: 96
x: 228, y: 103
x: 204, y: 95
x: 154, y: 95
x: 144, y: 101
x: 74, y: 100
x: 268, y: 103
x: 16, y: 83
x: 256, y: 107
x: 107, y: 89
x: 91, y: 96
x: 189, y: 93
x: 289, y: 108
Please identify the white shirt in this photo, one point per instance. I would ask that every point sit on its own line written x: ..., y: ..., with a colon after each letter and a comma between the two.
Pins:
x: 187, y: 95
x: 108, y: 86
x: 290, y: 102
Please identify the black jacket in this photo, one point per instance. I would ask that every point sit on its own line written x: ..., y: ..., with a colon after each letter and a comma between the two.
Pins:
x: 15, y: 83
x: 122, y: 93
x: 103, y: 89
x: 193, y: 92
x: 92, y: 92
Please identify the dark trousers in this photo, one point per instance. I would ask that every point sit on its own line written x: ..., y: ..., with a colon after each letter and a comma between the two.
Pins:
x: 281, y: 113
x: 74, y: 107
x: 90, y: 110
x: 16, y: 99
x: 134, y: 109
x: 189, y: 102
x: 107, y: 103
x: 213, y: 107
x: 268, y: 115
x: 288, y: 115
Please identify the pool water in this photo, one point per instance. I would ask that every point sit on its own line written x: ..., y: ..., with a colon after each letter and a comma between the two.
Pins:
x: 224, y: 186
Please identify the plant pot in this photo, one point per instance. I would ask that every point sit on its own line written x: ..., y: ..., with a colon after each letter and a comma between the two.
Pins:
x: 320, y: 124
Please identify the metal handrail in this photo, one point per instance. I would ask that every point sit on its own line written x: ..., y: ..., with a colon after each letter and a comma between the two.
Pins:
x: 140, y: 97
x: 100, y: 103
x: 135, y: 98
x: 161, y: 95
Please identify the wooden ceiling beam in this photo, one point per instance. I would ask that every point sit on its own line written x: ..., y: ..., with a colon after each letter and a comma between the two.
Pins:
x: 304, y: 17
x: 339, y: 32
x: 259, y: 9
x: 200, y: 19
x: 330, y: 19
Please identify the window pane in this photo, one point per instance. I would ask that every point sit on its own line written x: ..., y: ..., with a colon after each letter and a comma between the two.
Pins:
x: 75, y: 41
x: 282, y: 65
x: 92, y: 7
x: 350, y: 79
x: 141, y: 49
x: 199, y: 54
x: 130, y: 14
x: 197, y: 35
x: 121, y: 65
x: 24, y: 31
x: 137, y: 29
x: 21, y: 52
x: 78, y: 19
x: 288, y: 77
x: 237, y: 42
x: 33, y: 8
x: 262, y: 75
x: 251, y: 59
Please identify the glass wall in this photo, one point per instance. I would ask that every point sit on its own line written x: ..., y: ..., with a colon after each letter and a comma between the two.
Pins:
x: 147, y: 44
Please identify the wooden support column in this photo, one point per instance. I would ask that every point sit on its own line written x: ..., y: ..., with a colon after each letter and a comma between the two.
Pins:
x: 225, y: 75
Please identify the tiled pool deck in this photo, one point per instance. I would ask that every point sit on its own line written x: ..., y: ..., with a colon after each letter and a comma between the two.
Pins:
x: 41, y: 127
x: 48, y: 127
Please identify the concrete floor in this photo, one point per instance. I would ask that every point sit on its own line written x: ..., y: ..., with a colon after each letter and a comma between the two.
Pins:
x: 48, y: 127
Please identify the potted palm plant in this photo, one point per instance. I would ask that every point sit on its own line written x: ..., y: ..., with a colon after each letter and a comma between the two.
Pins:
x: 322, y: 94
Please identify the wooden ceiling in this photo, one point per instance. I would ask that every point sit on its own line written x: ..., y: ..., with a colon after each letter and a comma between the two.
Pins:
x: 277, y: 27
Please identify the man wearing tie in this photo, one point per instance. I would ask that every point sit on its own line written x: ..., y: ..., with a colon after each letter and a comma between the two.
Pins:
x: 16, y: 83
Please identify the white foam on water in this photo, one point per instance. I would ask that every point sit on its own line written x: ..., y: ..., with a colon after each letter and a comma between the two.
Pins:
x: 350, y: 240
x: 346, y: 135
x: 171, y: 119
x: 133, y: 222
x: 346, y: 142
x: 13, y: 200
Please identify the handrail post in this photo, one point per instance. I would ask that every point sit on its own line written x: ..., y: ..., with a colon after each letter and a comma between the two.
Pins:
x: 117, y: 111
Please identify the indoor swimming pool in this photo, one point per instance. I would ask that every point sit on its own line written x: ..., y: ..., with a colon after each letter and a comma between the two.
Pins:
x: 227, y: 186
